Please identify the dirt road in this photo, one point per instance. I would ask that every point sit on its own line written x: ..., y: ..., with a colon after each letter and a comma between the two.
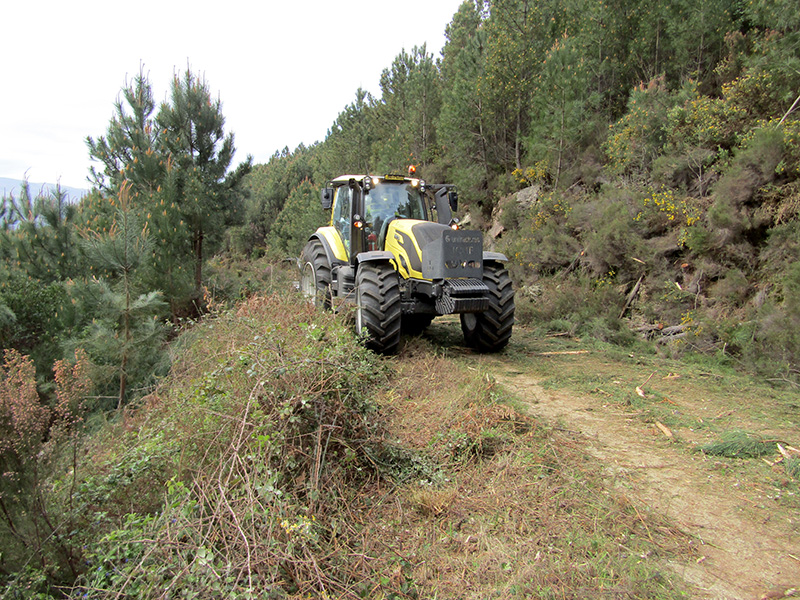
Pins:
x: 745, y: 551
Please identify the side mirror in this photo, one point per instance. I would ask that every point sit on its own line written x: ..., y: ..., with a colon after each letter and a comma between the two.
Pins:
x: 327, y: 198
x: 453, y: 198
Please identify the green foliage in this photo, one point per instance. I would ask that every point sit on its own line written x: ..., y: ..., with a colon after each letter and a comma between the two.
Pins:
x: 35, y: 318
x: 176, y: 166
x: 407, y: 111
x: 735, y: 214
x: 242, y: 456
x: 776, y: 345
x: 348, y: 145
x: 38, y: 235
x: 739, y: 444
x: 301, y: 215
x: 680, y: 39
x: 562, y: 108
x: 462, y: 120
x: 125, y: 334
x: 639, y: 136
x: 696, y: 199
x: 234, y: 277
x: 200, y: 155
x: 267, y: 188
x: 130, y: 151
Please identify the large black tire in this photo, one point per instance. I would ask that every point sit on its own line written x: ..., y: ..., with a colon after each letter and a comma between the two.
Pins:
x: 378, y: 307
x: 315, y: 274
x: 490, y: 330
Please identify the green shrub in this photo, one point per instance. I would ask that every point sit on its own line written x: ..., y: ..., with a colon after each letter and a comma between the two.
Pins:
x: 38, y: 322
x: 240, y: 461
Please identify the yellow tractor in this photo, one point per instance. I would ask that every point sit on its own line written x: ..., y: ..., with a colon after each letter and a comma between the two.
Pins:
x: 395, y: 251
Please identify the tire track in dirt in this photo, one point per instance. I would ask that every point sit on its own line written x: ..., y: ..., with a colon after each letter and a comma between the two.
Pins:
x: 743, y: 553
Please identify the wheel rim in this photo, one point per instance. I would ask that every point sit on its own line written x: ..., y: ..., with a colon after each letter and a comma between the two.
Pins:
x: 470, y: 321
x: 308, y: 283
x: 359, y: 309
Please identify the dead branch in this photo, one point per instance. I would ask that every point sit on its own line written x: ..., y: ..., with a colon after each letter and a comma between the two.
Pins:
x: 573, y: 264
x: 631, y: 296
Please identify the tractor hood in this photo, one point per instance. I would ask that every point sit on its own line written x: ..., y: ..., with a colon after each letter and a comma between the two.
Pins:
x: 426, y: 250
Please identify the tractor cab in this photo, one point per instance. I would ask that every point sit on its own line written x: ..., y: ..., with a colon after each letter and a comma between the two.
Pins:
x: 386, y: 202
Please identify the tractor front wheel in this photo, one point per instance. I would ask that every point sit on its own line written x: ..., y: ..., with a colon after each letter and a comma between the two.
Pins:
x: 378, y: 308
x: 490, y: 330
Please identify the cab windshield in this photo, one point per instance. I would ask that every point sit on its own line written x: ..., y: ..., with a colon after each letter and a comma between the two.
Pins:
x: 393, y: 201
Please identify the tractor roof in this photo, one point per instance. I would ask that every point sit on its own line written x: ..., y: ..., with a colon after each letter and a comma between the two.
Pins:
x: 346, y: 178
x: 389, y: 178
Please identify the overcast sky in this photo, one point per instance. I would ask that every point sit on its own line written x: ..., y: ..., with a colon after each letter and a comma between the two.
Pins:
x: 283, y: 70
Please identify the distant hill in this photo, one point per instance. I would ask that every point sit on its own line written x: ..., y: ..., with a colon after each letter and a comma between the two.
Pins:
x: 10, y: 187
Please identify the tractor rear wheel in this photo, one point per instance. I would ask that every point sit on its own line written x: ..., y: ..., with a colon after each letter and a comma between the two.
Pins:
x: 315, y: 274
x: 378, y: 307
x: 490, y: 330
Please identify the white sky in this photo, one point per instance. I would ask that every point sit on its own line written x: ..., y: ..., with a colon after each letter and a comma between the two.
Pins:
x: 283, y: 70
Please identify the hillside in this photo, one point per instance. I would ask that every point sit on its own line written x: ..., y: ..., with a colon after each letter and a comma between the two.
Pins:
x: 10, y: 187
x: 280, y: 456
x: 176, y: 422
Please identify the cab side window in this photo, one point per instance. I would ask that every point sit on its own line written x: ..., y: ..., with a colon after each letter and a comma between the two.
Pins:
x: 341, y: 214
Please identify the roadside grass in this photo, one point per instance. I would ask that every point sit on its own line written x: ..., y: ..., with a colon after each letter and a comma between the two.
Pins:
x: 703, y: 401
x: 515, y: 509
x: 280, y: 459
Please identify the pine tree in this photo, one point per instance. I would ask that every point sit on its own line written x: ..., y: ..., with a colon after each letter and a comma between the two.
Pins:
x: 200, y: 153
x: 463, y: 125
x: 125, y: 335
x: 408, y: 110
x: 38, y: 234
x: 561, y: 110
x: 348, y: 145
x: 130, y: 150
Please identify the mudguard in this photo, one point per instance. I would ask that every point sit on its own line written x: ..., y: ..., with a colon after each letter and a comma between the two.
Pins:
x: 494, y: 257
x: 375, y: 256
x: 332, y: 243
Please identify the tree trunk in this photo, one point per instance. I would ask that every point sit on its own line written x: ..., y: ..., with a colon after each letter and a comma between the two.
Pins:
x: 198, y: 260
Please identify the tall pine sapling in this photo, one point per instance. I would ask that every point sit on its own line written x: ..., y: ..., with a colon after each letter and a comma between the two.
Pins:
x: 126, y: 332
x: 200, y: 153
x: 131, y: 150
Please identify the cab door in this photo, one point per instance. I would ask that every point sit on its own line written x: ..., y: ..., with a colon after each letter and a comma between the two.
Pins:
x: 341, y: 218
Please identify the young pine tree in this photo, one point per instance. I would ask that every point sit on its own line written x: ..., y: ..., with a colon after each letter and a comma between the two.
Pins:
x: 126, y: 336
x: 200, y: 153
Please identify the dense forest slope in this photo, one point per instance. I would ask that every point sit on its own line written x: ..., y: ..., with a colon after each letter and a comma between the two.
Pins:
x: 657, y: 148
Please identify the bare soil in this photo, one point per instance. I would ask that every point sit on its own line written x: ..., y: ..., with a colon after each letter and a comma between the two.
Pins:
x: 748, y: 546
